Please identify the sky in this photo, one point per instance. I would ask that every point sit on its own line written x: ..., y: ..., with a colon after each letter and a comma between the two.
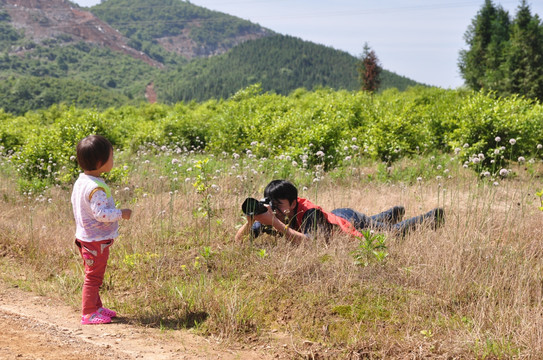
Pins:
x: 419, y: 39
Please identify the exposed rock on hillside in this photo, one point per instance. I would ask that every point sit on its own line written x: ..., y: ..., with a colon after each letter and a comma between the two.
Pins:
x: 188, y: 48
x: 46, y: 19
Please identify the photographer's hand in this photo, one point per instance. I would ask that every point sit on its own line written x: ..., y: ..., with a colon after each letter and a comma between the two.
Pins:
x: 266, y: 218
x: 245, y: 229
x: 270, y: 218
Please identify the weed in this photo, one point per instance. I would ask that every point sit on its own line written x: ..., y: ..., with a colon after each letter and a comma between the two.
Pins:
x: 371, y: 249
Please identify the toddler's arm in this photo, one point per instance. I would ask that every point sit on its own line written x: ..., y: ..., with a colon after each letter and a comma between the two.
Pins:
x: 100, y: 209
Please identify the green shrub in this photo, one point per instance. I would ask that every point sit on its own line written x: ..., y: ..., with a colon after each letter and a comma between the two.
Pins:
x: 308, y: 128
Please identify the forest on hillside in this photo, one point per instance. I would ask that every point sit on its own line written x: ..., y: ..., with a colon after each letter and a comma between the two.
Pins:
x: 303, y: 63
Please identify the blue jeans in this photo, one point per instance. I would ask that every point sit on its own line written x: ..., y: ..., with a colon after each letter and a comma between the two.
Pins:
x: 387, y: 220
x: 362, y: 221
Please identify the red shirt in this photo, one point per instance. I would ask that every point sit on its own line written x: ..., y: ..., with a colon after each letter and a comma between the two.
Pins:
x: 345, y: 225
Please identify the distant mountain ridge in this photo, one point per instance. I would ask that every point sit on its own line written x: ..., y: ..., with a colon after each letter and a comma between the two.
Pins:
x: 176, y: 50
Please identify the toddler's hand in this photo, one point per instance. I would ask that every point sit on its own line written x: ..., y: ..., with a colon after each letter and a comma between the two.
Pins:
x: 126, y: 213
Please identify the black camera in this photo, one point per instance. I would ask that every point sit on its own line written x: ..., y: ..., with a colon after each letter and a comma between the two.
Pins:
x: 252, y: 206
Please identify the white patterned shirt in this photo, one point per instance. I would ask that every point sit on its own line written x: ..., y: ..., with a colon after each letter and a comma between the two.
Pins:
x: 96, y: 217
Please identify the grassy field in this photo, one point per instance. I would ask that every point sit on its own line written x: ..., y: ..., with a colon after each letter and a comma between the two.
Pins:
x: 471, y: 289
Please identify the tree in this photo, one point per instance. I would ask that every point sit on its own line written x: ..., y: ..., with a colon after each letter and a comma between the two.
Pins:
x: 485, y: 37
x: 524, y: 65
x: 504, y: 56
x: 495, y: 72
x: 369, y: 70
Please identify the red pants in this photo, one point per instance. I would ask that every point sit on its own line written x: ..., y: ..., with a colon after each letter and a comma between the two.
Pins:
x: 95, y: 255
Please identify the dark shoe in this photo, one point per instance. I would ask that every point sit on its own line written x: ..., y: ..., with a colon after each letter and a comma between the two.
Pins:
x: 390, y: 216
x: 397, y: 214
x: 435, y: 218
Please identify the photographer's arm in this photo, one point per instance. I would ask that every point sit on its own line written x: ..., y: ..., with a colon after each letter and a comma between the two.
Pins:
x: 245, y: 230
x: 292, y: 235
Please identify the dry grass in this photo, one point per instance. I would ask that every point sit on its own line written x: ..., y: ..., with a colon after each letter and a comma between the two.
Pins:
x: 471, y: 289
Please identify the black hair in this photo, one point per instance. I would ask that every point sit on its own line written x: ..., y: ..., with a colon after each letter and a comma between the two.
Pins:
x: 93, y: 152
x: 281, y: 189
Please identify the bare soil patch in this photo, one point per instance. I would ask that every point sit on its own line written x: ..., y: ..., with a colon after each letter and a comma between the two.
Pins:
x: 38, y: 327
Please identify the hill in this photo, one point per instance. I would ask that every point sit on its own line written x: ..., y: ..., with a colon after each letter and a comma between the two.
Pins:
x: 160, y: 28
x: 114, y: 51
x: 279, y: 63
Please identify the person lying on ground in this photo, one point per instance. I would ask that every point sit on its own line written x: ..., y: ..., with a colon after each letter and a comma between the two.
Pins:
x: 298, y: 219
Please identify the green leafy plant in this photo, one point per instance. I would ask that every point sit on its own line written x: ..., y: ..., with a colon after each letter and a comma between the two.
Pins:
x: 540, y: 195
x: 371, y: 249
x: 203, y: 188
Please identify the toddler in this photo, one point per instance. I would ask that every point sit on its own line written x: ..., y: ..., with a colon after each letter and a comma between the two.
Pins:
x: 96, y: 220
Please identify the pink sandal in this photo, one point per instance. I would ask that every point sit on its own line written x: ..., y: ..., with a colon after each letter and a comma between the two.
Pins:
x: 107, y: 312
x: 95, y: 318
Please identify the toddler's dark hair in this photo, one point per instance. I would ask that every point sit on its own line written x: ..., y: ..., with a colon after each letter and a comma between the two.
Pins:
x: 92, y: 151
x: 281, y: 189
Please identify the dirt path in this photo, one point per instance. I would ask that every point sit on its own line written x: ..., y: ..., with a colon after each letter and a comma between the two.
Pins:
x: 37, y: 327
